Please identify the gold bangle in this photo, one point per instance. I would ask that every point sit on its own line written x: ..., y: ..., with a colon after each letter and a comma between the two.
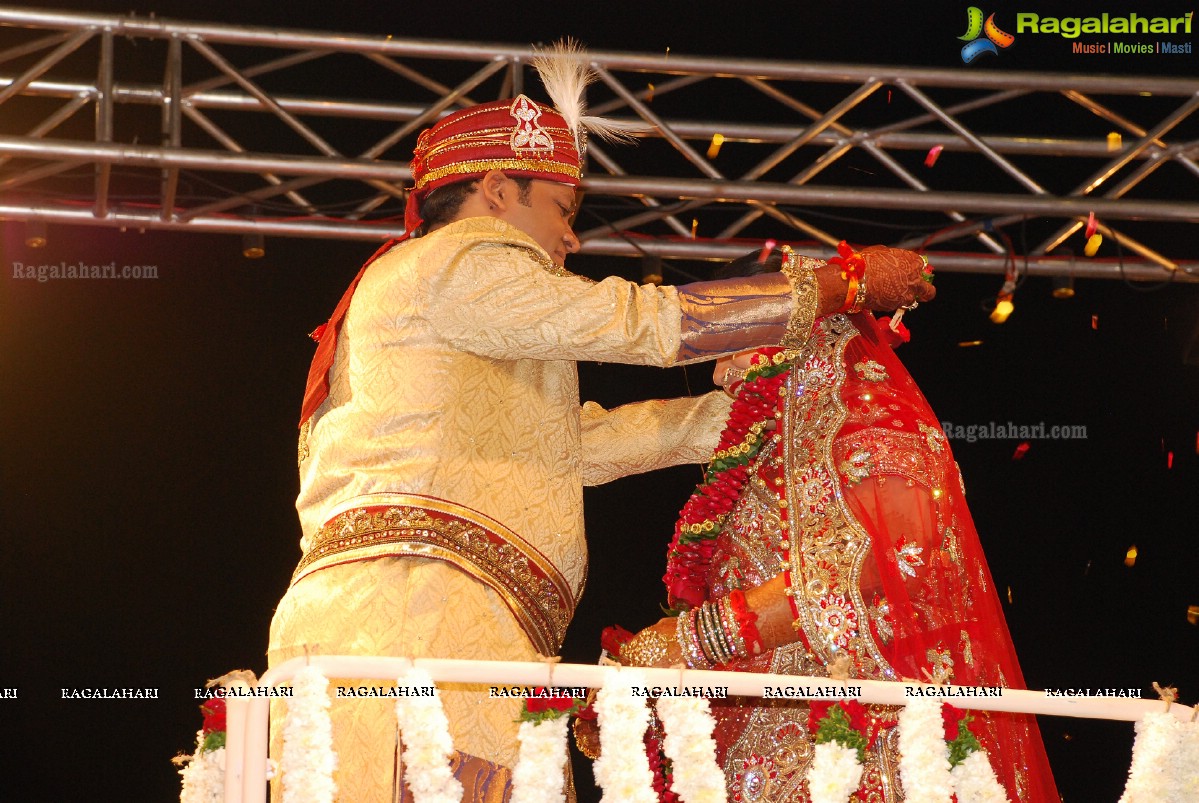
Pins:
x: 645, y: 649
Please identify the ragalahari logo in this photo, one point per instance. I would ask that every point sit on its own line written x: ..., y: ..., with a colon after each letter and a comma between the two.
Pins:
x: 975, y: 27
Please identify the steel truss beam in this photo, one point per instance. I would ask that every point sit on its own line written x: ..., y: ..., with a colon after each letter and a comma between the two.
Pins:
x: 210, y: 138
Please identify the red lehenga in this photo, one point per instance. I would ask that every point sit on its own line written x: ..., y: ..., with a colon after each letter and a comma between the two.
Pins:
x: 857, y: 497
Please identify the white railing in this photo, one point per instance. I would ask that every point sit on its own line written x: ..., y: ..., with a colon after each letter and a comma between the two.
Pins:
x: 247, y: 714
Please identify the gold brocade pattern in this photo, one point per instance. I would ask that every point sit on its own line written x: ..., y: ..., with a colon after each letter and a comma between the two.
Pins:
x: 484, y: 165
x: 538, y: 595
x: 770, y: 760
x: 829, y: 546
x: 302, y: 450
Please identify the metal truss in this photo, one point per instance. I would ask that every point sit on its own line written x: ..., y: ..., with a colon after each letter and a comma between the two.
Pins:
x: 212, y: 128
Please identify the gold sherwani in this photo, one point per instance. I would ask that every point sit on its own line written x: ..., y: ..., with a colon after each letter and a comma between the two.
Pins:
x: 454, y: 417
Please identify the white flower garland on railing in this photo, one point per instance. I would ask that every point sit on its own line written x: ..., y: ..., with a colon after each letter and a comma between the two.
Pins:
x: 688, y: 724
x: 428, y: 746
x: 923, y: 754
x: 622, y: 770
x: 974, y: 780
x: 834, y: 773
x: 308, y: 758
x: 1158, y: 773
x: 538, y: 776
x: 1186, y: 761
x: 203, y: 774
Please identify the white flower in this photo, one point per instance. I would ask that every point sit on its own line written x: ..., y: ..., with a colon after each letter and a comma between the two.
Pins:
x: 834, y: 773
x: 1163, y: 761
x: 427, y: 744
x: 308, y: 758
x: 622, y: 770
x: 204, y: 775
x: 923, y: 754
x: 689, y: 745
x: 538, y: 776
x: 975, y: 782
x: 1186, y: 762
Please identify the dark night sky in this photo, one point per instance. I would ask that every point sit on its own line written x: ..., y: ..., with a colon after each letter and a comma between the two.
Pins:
x: 147, y: 442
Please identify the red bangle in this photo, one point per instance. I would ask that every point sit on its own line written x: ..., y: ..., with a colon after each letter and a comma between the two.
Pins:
x: 746, y: 622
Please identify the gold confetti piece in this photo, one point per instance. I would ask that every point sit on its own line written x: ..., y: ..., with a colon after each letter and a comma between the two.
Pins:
x: 694, y: 227
x: 1009, y: 595
x: 965, y: 344
x: 1130, y: 557
x: 714, y: 147
x: 1114, y: 141
x: 1093, y: 243
x: 1193, y: 614
x: 649, y: 98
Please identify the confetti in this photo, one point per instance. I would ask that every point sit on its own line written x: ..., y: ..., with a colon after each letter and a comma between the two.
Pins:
x: 1114, y: 141
x: 694, y: 227
x: 714, y: 147
x: 1091, y: 225
x: 649, y: 98
x: 933, y: 153
x: 767, y: 247
x: 888, y: 96
x: 1130, y: 557
x: 1094, y: 321
x: 1021, y: 450
x: 965, y: 344
x: 1093, y: 243
x: 1169, y: 460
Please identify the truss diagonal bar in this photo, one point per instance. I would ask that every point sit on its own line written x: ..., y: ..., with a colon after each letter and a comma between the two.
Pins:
x: 290, y: 120
x: 827, y: 119
x: 214, y: 131
x: 45, y: 63
x: 64, y: 112
x: 436, y: 87
x: 33, y: 47
x: 952, y: 123
x: 610, y: 164
x: 217, y: 81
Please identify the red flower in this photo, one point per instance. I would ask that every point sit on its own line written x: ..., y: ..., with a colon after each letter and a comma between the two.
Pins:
x: 951, y: 716
x: 613, y: 638
x: 541, y: 702
x: 818, y: 710
x: 214, y: 715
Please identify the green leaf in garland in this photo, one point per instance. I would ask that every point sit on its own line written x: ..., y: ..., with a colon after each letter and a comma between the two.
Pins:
x: 965, y: 743
x: 213, y: 741
x: 835, y: 727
